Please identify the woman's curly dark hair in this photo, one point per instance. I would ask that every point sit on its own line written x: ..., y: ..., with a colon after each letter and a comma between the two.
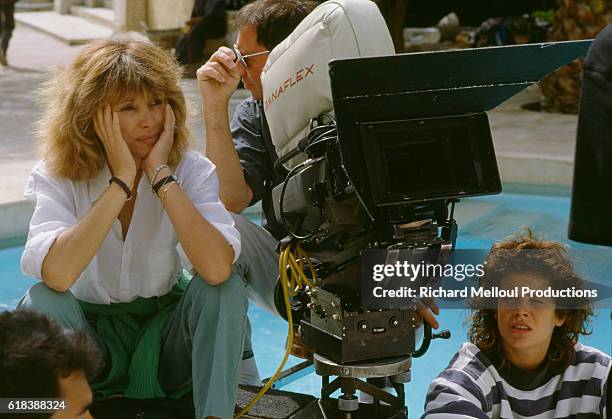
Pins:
x: 550, y: 260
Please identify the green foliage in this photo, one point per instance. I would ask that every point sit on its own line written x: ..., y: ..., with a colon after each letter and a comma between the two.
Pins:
x: 544, y: 15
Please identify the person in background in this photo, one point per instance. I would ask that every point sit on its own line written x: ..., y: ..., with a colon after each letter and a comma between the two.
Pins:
x: 207, y: 21
x: 39, y: 360
x: 593, y: 159
x: 7, y: 24
x: 524, y: 357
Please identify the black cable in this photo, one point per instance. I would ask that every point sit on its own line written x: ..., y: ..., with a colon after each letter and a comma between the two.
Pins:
x: 316, y: 135
x: 301, y: 147
x: 320, y: 141
x: 330, y: 116
x: 281, y: 160
x: 312, y: 136
x: 303, y: 166
x: 314, y: 130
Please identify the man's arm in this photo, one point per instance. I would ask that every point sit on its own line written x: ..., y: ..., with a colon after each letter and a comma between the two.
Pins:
x: 234, y: 191
x: 217, y: 80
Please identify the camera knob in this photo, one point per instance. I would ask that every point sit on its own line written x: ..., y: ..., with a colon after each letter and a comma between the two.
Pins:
x: 319, y: 311
x: 445, y: 334
x: 362, y: 326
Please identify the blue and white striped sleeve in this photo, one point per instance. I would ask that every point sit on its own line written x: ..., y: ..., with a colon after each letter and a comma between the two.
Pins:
x: 453, y: 394
x: 606, y: 394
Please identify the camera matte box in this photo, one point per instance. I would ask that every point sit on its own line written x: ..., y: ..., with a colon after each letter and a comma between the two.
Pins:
x: 421, y: 100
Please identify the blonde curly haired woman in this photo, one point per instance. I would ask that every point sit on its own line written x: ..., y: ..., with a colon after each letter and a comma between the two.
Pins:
x: 119, y: 201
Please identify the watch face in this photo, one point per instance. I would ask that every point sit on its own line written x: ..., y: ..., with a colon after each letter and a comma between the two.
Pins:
x: 164, y: 181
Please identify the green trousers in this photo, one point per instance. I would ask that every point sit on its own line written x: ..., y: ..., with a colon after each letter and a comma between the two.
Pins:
x: 200, y: 342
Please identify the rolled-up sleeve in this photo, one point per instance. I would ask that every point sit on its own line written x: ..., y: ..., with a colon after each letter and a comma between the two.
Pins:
x: 54, y: 212
x: 198, y: 178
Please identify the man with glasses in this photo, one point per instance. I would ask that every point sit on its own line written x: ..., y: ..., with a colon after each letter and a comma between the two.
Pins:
x: 244, y: 158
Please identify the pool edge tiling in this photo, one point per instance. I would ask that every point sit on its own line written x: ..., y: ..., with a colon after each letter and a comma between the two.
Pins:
x: 482, y: 220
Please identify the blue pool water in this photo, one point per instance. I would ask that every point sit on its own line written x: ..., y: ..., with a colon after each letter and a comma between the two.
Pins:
x: 481, y: 221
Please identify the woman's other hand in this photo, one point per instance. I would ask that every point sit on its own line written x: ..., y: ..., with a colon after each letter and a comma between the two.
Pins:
x: 160, y: 151
x: 120, y: 160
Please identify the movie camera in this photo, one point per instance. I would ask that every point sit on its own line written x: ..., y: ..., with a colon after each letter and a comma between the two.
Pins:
x: 379, y: 148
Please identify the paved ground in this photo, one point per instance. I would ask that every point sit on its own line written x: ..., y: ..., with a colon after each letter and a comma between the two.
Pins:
x: 70, y: 29
x: 533, y: 148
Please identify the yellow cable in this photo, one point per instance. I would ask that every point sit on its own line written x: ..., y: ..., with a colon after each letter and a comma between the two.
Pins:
x: 296, y: 263
x: 297, y: 279
x: 303, y: 255
x: 283, y: 273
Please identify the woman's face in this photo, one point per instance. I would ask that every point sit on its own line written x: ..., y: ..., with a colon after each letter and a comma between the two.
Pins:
x: 141, y: 119
x: 526, y: 324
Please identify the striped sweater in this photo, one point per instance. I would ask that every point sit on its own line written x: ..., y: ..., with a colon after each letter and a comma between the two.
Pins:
x: 471, y: 387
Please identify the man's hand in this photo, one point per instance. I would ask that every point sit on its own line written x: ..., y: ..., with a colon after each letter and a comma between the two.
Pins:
x: 218, y: 79
x: 426, y: 308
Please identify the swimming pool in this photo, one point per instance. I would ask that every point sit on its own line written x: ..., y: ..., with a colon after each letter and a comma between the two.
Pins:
x: 481, y: 221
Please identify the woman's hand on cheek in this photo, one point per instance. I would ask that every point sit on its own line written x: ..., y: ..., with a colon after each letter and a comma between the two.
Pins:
x: 118, y: 155
x: 161, y: 150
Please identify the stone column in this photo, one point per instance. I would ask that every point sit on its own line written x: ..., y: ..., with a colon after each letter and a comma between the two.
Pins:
x: 63, y: 6
x: 163, y: 15
x: 129, y: 15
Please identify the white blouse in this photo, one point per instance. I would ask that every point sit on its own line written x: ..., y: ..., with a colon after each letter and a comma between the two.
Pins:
x: 147, y: 263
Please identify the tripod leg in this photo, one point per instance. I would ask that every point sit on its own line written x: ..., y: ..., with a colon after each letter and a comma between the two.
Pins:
x: 348, y: 402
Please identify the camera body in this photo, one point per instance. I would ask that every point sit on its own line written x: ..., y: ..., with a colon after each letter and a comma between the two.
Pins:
x: 379, y: 148
x: 386, y: 185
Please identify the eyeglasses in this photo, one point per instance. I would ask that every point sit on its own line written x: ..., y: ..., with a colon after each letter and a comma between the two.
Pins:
x: 242, y: 58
